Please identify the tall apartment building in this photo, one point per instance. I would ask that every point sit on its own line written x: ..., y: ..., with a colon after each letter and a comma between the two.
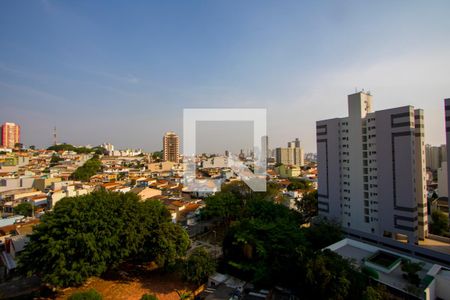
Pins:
x: 447, y: 135
x: 292, y: 155
x: 435, y: 155
x: 10, y: 135
x: 171, y: 147
x: 372, y: 170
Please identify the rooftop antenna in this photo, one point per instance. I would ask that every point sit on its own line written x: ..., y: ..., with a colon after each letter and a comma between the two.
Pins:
x: 54, y: 136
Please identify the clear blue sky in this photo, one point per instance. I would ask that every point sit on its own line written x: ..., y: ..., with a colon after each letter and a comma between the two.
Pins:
x: 122, y: 71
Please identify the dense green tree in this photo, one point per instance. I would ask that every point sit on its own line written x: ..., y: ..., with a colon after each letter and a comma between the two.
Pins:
x: 89, y: 169
x: 439, y: 224
x: 377, y: 291
x: 157, y: 155
x: 308, y: 205
x: 100, y: 150
x: 55, y: 160
x: 32, y: 147
x: 298, y: 184
x: 230, y: 202
x: 224, y: 205
x: 199, y: 266
x: 24, y: 209
x: 86, y: 235
x: 328, y: 276
x: 87, y: 295
x: 410, y: 270
x: 262, y: 245
x: 323, y: 234
x: 68, y: 147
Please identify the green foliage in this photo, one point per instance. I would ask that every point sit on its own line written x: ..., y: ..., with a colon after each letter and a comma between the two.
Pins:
x: 86, y: 235
x: 370, y: 272
x: 410, y: 270
x: 439, y: 225
x: 328, y: 276
x: 89, y: 169
x: 298, y: 184
x: 199, y: 266
x: 32, y: 147
x: 24, y: 209
x: 223, y: 205
x: 230, y: 202
x: 88, y: 295
x: 100, y: 150
x: 68, y: 147
x: 262, y: 245
x: 309, y: 205
x: 266, y: 245
x: 149, y: 297
x: 323, y: 234
x: 371, y: 293
x: 184, y: 294
x: 157, y: 155
x: 55, y: 160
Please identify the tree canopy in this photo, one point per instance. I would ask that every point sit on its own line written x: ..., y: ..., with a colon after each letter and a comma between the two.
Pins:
x: 265, y: 244
x: 55, y: 160
x: 24, y: 209
x: 309, y: 205
x: 199, y: 266
x: 68, y: 147
x: 298, y: 184
x: 89, y: 169
x: 86, y: 235
x: 230, y: 202
x: 439, y: 224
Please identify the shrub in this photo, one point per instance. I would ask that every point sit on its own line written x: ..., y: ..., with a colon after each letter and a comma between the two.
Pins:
x: 87, y: 295
x: 370, y: 272
x: 149, y: 297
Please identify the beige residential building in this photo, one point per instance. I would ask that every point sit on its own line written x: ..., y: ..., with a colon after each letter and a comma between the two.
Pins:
x: 290, y: 156
x: 10, y: 135
x: 145, y: 192
x: 171, y: 147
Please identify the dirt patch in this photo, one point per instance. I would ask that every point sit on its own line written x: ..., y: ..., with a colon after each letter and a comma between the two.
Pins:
x: 132, y: 284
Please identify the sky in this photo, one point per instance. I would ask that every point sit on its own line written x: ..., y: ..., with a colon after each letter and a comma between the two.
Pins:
x: 123, y: 71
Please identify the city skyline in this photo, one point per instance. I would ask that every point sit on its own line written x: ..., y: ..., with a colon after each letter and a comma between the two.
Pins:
x: 77, y: 67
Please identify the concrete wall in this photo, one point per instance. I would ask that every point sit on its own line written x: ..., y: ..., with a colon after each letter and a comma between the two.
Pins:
x: 396, y: 172
x: 329, y: 169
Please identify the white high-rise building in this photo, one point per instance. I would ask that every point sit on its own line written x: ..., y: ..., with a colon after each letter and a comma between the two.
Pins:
x: 372, y: 170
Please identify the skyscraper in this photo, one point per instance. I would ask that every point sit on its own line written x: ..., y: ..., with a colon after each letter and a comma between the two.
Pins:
x: 10, y: 135
x: 372, y: 170
x: 171, y: 147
